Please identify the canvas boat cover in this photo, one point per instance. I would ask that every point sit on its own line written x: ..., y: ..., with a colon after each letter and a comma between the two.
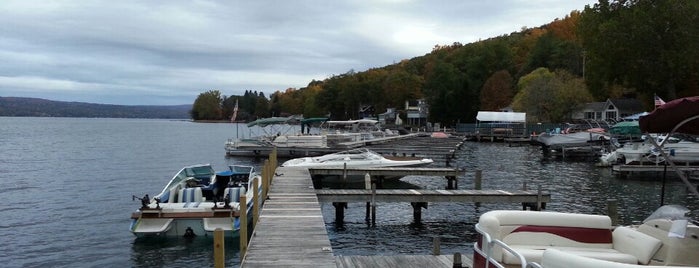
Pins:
x: 664, y: 118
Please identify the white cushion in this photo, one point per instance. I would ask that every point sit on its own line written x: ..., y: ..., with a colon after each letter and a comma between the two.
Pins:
x: 535, y: 254
x: 633, y: 242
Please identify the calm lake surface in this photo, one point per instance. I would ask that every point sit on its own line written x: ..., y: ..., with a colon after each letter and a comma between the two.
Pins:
x: 68, y: 186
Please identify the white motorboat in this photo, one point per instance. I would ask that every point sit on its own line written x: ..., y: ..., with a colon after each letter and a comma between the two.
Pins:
x: 582, y: 138
x: 510, y: 238
x: 197, y: 201
x: 360, y: 157
x: 684, y: 150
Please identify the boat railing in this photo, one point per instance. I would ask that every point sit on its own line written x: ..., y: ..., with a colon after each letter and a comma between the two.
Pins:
x: 489, y: 243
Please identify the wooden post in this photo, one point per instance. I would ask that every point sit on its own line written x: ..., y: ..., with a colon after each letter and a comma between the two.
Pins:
x: 417, y: 211
x: 612, y: 211
x: 255, y: 201
x: 373, y: 204
x: 435, y: 246
x: 243, y: 227
x: 538, y: 198
x: 265, y: 180
x: 457, y: 260
x: 219, y: 252
x: 367, y: 186
x: 477, y: 183
x: 339, y: 212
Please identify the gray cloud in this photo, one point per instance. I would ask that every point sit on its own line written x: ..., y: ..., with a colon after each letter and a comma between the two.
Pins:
x: 167, y: 52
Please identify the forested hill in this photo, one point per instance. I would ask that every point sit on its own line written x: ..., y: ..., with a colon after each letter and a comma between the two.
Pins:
x: 15, y: 106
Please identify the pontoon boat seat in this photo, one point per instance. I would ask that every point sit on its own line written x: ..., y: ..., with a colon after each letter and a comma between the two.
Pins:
x: 554, y: 258
x: 530, y: 233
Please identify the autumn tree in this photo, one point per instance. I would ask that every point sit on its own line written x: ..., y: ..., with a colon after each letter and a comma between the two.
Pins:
x: 207, y: 106
x: 497, y: 91
x: 652, y: 46
x: 550, y: 96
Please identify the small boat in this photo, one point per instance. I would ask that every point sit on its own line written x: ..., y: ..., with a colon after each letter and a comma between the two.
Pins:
x: 510, y: 238
x: 568, y: 139
x: 360, y: 157
x: 197, y: 201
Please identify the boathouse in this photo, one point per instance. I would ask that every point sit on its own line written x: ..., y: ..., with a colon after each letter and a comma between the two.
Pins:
x: 500, y: 125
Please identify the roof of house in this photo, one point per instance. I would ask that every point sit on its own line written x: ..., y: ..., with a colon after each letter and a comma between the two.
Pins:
x: 595, y: 106
x: 633, y: 105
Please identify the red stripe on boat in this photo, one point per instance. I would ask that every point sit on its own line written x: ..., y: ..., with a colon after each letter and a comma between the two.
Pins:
x: 583, y: 235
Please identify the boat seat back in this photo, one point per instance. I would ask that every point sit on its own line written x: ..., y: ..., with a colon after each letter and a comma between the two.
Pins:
x: 172, y: 197
x: 188, y: 195
x: 234, y: 193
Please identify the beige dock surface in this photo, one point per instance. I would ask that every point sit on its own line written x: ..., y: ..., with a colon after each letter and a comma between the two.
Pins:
x: 291, y: 231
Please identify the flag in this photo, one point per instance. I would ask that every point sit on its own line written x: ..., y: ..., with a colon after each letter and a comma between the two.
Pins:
x: 235, y: 111
x: 658, y: 100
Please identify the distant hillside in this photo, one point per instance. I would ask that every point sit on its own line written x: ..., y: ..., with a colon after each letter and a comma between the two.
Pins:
x: 15, y: 106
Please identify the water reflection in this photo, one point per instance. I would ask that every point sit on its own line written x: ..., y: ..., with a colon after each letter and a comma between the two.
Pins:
x: 173, y: 251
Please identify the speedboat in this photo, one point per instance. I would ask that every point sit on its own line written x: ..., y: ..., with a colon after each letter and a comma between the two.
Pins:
x: 511, y: 238
x: 197, y: 201
x: 360, y: 157
x: 681, y: 149
x: 582, y: 138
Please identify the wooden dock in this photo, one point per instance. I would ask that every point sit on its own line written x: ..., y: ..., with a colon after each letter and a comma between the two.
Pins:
x: 291, y: 231
x: 420, y: 195
x: 392, y: 172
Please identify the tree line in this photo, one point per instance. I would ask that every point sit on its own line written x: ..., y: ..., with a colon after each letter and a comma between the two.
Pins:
x: 612, y: 49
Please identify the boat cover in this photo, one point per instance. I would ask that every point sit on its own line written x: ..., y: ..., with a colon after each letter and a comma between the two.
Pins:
x: 664, y: 118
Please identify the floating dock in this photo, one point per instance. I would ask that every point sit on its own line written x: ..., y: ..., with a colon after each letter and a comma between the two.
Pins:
x: 439, y: 149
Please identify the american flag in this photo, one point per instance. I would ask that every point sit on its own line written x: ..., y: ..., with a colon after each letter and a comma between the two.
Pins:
x: 235, y: 111
x: 658, y: 101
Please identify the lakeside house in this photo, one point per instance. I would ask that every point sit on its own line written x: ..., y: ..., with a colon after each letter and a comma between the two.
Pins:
x: 417, y: 112
x: 611, y: 110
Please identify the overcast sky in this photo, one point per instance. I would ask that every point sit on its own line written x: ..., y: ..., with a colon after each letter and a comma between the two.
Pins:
x: 168, y: 52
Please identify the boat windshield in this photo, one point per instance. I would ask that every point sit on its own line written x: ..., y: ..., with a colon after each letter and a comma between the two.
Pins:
x: 670, y: 212
x: 200, y: 172
x: 241, y: 169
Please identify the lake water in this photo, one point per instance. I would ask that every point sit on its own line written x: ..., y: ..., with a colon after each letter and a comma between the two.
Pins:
x: 68, y: 186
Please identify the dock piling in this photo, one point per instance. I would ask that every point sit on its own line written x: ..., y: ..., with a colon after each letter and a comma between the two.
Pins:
x: 243, y: 227
x: 457, y: 260
x: 612, y: 211
x: 477, y: 183
x: 373, y: 204
x: 219, y: 246
x: 436, y: 246
x: 339, y: 212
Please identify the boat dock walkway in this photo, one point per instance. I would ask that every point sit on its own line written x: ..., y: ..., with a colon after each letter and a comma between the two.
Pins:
x: 291, y: 231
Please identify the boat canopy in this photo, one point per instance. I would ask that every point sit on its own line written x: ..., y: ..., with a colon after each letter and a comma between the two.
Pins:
x: 625, y: 128
x: 681, y: 113
x: 312, y: 120
x: 501, y: 117
x: 274, y: 121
